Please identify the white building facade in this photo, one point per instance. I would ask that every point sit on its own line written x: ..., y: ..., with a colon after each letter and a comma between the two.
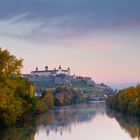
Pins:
x: 47, y: 72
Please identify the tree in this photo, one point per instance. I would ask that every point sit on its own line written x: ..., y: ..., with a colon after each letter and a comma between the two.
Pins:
x: 9, y: 65
x: 46, y: 102
x: 10, y: 103
x: 10, y: 107
x: 48, y: 99
x: 126, y: 100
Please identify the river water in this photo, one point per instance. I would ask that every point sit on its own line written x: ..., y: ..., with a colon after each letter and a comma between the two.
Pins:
x: 77, y: 122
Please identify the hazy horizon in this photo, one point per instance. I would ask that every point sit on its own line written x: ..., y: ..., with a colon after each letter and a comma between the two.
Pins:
x: 95, y: 38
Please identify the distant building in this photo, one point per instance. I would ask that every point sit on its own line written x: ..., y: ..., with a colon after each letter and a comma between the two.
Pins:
x: 47, y: 72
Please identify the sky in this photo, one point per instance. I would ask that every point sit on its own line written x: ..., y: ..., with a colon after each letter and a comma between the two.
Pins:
x: 96, y: 38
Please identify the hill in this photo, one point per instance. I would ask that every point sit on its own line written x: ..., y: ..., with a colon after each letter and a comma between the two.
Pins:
x: 86, y: 85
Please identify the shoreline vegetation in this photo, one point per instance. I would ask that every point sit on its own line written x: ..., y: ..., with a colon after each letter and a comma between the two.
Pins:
x: 126, y: 101
x: 18, y: 101
x: 17, y: 94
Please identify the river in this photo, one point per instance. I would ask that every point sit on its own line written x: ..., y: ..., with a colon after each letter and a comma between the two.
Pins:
x: 77, y: 122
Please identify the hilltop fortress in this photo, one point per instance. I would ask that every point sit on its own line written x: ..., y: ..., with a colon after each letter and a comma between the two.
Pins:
x: 46, y: 79
x: 47, y: 72
x: 57, y: 76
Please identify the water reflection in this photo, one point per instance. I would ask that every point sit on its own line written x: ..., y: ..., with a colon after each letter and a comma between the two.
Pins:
x: 58, y: 120
x: 26, y: 132
x: 61, y: 119
x: 76, y: 122
x: 130, y: 124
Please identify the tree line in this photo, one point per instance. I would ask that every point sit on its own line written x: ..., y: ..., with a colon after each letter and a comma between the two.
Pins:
x: 17, y: 94
x: 126, y: 101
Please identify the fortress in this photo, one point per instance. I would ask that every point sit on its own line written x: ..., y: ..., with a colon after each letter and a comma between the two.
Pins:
x: 46, y: 79
x: 46, y: 72
x: 56, y: 77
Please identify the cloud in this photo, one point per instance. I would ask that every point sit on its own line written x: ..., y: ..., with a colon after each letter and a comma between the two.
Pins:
x: 48, y: 20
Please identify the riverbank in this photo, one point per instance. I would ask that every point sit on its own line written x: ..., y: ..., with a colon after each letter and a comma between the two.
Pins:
x: 76, y: 121
x: 126, y: 101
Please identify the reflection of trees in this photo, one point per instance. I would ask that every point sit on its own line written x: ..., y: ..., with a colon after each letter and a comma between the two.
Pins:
x: 58, y: 120
x: 25, y: 132
x: 130, y: 124
x: 61, y: 119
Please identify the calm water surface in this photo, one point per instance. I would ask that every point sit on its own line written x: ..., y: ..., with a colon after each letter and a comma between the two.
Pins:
x: 78, y: 122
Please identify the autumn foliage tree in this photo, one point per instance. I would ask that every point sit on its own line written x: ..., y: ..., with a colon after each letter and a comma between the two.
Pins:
x: 9, y: 65
x: 126, y: 101
x: 16, y: 93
